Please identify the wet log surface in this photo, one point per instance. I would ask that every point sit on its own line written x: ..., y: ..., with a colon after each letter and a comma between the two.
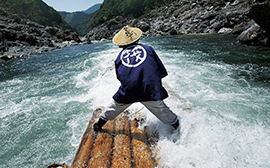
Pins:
x: 120, y: 143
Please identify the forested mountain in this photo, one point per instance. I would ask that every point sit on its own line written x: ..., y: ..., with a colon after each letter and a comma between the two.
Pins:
x: 80, y: 20
x: 84, y: 26
x: 73, y: 18
x: 35, y: 10
x: 133, y: 8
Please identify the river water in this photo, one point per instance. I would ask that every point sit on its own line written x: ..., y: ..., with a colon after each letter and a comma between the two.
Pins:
x: 220, y: 89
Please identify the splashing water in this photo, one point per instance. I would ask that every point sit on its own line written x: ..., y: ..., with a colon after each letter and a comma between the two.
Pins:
x: 219, y: 89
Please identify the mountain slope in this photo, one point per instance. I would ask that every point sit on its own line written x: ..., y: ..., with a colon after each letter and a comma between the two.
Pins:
x: 92, y: 9
x: 35, y: 10
x: 84, y: 26
x: 73, y: 18
x: 80, y: 20
x: 132, y: 8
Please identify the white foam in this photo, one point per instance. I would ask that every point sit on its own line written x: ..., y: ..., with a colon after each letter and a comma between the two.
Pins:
x: 224, y: 119
x: 205, y: 96
x: 210, y: 141
x: 210, y: 103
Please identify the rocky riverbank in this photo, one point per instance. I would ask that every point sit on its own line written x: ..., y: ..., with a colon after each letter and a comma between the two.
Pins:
x: 20, y: 37
x: 193, y: 17
x: 247, y: 18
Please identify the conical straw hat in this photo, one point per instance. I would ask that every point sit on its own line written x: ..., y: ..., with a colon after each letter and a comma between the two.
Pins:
x: 127, y: 35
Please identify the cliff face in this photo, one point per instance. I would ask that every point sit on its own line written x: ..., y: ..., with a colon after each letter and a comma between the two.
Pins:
x: 188, y: 17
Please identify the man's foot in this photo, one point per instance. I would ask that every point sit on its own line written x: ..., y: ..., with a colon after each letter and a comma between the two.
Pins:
x: 96, y: 127
x: 176, y: 125
x: 176, y: 132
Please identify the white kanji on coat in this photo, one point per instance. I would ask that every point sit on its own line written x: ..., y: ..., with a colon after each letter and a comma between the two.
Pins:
x: 133, y: 56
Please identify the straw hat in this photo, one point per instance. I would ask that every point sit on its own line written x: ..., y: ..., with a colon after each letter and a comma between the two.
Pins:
x: 127, y: 35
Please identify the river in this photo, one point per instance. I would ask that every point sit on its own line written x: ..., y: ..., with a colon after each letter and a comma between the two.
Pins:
x: 220, y: 89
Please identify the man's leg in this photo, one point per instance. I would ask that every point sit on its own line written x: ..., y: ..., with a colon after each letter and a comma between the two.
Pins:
x: 109, y: 114
x: 162, y: 112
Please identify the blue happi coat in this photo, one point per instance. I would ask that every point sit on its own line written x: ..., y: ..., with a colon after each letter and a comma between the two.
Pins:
x: 139, y: 70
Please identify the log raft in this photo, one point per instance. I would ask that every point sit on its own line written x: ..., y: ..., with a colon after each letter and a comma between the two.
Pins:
x: 120, y: 144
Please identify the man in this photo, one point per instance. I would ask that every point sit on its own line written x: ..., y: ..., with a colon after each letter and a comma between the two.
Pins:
x: 140, y: 71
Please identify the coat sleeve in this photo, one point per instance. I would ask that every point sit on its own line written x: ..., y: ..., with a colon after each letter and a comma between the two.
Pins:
x: 117, y: 63
x: 162, y: 69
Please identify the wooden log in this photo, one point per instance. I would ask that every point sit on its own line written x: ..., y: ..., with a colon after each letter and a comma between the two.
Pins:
x: 102, y: 151
x: 140, y: 150
x: 121, y: 150
x: 152, y: 139
x: 83, y: 153
x: 120, y: 144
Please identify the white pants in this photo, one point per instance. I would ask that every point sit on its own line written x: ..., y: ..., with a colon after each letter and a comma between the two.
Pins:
x: 158, y: 108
